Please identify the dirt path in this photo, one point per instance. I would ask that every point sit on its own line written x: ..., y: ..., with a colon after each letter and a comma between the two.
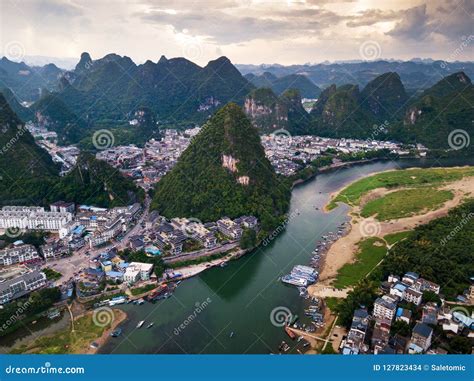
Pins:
x: 343, y: 250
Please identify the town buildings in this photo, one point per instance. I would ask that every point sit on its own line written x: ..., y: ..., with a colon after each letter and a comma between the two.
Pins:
x: 18, y: 282
x: 32, y: 218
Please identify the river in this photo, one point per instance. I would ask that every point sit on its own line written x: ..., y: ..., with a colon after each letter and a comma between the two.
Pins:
x: 240, y: 298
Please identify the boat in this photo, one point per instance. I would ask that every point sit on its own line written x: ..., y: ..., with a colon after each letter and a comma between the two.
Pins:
x: 231, y: 334
x: 140, y: 323
x: 290, y: 333
x: 223, y: 264
x: 116, y: 333
x: 150, y: 325
x: 140, y: 301
x: 294, y: 281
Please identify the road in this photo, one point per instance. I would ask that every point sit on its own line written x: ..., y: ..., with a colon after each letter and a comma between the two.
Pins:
x: 69, y: 266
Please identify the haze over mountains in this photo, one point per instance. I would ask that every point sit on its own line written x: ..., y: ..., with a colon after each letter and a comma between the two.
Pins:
x: 352, y: 97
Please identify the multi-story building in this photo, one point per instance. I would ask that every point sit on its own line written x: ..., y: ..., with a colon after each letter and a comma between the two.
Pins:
x: 412, y: 296
x: 137, y: 271
x: 354, y: 343
x: 385, y: 308
x: 18, y: 254
x: 229, y: 228
x: 53, y: 250
x: 32, y: 218
x: 20, y: 285
x: 422, y: 335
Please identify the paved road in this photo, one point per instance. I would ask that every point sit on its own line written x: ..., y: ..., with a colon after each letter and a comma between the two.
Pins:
x: 79, y: 260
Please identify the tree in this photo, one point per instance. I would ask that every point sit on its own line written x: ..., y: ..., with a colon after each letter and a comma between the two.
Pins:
x: 248, y: 239
x: 400, y: 327
x: 460, y: 344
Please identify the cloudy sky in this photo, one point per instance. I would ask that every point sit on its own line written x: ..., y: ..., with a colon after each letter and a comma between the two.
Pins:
x: 247, y: 31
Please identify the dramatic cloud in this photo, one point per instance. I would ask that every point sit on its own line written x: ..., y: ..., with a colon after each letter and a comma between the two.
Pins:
x: 247, y: 31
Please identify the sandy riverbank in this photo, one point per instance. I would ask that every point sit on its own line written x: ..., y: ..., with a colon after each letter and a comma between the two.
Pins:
x: 344, y: 249
x: 119, y: 317
x: 193, y: 270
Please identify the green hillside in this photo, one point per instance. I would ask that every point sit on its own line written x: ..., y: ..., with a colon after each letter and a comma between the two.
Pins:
x: 224, y: 172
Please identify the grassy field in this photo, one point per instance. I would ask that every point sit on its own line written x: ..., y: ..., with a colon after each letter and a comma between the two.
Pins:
x: 371, y: 251
x: 65, y: 341
x: 403, y: 178
x: 406, y: 203
x: 393, y: 238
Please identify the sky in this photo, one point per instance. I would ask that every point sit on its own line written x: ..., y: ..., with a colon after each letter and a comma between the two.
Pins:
x: 246, y: 31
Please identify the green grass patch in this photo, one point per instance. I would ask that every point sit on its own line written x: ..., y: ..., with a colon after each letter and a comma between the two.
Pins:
x: 332, y: 302
x: 393, y: 238
x: 51, y: 274
x: 141, y: 290
x: 65, y: 341
x: 402, y: 178
x: 371, y: 251
x: 406, y: 203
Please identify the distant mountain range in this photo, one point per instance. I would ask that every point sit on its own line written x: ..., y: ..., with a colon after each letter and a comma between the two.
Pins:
x: 415, y: 74
x: 279, y: 85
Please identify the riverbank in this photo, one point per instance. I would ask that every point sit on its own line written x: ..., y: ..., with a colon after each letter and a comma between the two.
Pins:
x: 86, y: 334
x: 344, y: 250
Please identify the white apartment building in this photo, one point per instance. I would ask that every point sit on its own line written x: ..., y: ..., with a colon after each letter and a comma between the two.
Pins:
x: 18, y: 254
x: 32, y: 218
x: 137, y: 271
x: 21, y: 285
x: 384, y: 308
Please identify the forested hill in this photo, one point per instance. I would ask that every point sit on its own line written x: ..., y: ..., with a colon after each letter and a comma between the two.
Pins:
x: 440, y: 251
x: 224, y: 172
x: 29, y: 176
x: 27, y: 171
